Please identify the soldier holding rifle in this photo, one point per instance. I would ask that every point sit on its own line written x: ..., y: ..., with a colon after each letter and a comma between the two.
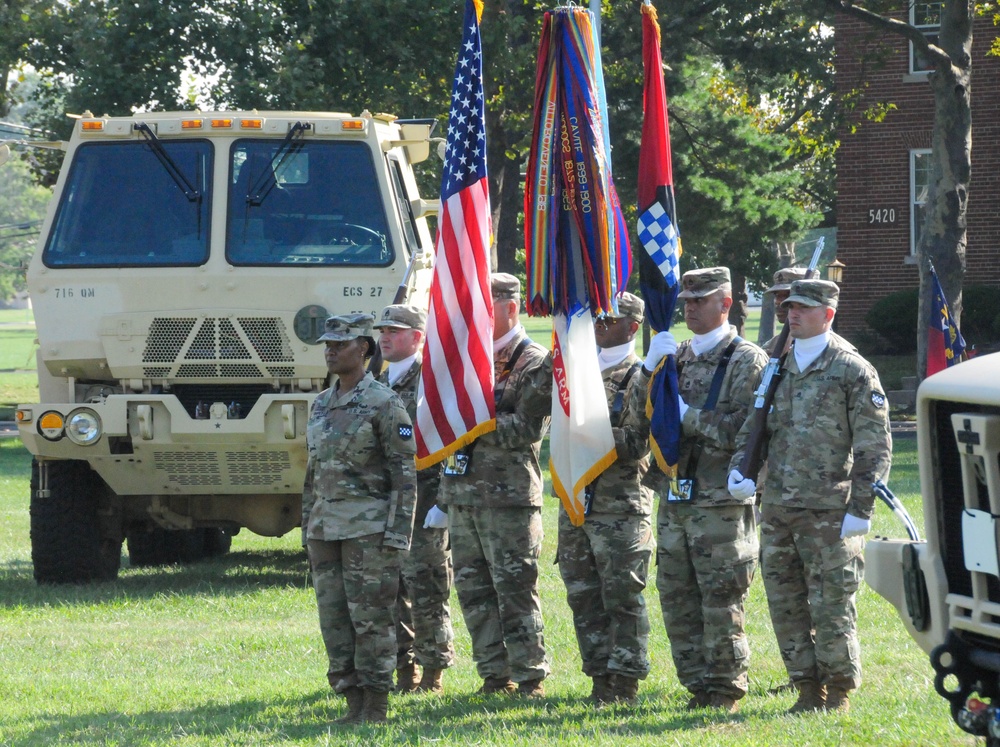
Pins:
x: 826, y: 440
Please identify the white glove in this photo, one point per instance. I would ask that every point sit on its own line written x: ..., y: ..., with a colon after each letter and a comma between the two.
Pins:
x: 682, y: 406
x: 436, y: 519
x: 741, y: 487
x: 854, y: 526
x: 662, y: 345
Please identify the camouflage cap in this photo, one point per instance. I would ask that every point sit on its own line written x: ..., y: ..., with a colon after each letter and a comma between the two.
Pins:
x: 346, y: 327
x: 505, y: 285
x: 629, y: 306
x: 705, y: 282
x: 813, y: 293
x: 402, y: 316
x: 784, y: 278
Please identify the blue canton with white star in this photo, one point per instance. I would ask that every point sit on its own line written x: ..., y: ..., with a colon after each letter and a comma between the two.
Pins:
x: 465, y: 151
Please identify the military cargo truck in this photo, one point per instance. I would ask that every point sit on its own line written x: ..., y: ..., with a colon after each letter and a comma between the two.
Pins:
x: 181, y: 278
x: 947, y: 587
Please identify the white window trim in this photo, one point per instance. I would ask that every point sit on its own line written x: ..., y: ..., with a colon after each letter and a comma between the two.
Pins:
x: 927, y: 29
x: 913, y: 196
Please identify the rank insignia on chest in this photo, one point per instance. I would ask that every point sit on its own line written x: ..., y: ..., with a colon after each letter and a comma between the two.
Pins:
x: 878, y: 399
x: 406, y: 432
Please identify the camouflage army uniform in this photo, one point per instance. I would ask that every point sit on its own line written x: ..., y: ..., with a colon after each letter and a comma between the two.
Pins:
x: 707, y: 548
x: 767, y: 346
x: 827, y: 441
x: 357, y: 519
x: 495, y: 519
x: 423, y: 618
x: 605, y: 562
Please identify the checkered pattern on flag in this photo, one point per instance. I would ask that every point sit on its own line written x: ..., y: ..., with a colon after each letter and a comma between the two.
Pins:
x: 660, y: 239
x: 455, y: 398
x: 658, y: 270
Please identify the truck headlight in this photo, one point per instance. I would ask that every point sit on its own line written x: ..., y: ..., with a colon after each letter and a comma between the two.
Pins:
x: 83, y: 427
x: 51, y: 425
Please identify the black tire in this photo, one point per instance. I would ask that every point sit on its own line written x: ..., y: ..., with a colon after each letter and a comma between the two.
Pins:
x: 217, y: 542
x: 153, y: 545
x: 69, y: 543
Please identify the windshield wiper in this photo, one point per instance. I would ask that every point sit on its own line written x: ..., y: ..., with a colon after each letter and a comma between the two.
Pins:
x: 267, y: 180
x: 168, y: 163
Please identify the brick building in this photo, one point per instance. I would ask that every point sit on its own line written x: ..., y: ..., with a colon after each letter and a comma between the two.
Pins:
x: 882, y: 167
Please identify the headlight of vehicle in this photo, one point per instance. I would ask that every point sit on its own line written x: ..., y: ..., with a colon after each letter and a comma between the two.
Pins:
x: 50, y: 425
x: 83, y: 427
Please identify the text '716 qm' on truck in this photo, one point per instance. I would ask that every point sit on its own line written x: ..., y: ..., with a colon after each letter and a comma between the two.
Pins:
x: 182, y: 276
x: 947, y: 588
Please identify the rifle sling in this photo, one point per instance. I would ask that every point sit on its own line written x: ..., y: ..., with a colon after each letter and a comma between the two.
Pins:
x: 712, y: 400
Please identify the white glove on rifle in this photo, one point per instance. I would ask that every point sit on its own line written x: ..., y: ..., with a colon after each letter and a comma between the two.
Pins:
x: 741, y: 487
x: 682, y: 406
x: 662, y: 345
x: 854, y: 527
x: 436, y: 519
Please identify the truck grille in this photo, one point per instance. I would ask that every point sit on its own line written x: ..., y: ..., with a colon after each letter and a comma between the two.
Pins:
x: 951, y: 504
x: 215, y: 347
x: 239, y: 468
x: 245, y: 395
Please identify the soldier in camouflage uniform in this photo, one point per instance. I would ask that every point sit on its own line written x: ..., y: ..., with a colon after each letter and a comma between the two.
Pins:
x: 493, y: 491
x: 423, y: 618
x: 707, y: 542
x: 827, y: 442
x: 357, y: 517
x: 604, y: 563
x: 782, y: 286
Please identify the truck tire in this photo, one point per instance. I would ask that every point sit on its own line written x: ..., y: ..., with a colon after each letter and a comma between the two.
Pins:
x: 68, y: 543
x: 153, y: 545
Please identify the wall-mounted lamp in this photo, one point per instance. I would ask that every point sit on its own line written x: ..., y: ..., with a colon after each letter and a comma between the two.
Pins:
x: 835, y: 271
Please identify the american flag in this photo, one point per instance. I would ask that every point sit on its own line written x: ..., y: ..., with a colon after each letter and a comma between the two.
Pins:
x: 455, y: 401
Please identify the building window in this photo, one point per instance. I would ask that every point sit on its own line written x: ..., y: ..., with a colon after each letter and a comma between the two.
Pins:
x: 920, y: 181
x: 927, y: 18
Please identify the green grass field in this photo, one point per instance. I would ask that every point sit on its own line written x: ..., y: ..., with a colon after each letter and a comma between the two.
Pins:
x: 227, y: 652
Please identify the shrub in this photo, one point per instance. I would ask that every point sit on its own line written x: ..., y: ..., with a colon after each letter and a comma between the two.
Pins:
x: 894, y: 318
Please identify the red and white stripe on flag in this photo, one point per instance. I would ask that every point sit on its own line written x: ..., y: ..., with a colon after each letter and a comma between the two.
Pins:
x: 455, y: 399
x: 581, y: 442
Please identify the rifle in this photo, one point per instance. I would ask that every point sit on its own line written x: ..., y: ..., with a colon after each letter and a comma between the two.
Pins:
x: 764, y: 396
x: 375, y: 362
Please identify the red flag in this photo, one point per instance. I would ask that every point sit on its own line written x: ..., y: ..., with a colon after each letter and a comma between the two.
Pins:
x: 455, y: 399
x: 945, y: 344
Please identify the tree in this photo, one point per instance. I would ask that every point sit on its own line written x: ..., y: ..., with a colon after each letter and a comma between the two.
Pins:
x: 22, y: 209
x: 943, y: 239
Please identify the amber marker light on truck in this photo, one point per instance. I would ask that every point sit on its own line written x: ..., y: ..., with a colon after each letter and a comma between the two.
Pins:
x: 251, y: 124
x: 221, y: 124
x: 191, y: 124
x: 50, y: 426
x: 22, y: 416
x: 352, y: 124
x: 92, y: 126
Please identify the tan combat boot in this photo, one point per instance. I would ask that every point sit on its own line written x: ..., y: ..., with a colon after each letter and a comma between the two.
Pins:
x: 723, y: 702
x: 838, y: 700
x: 602, y: 691
x: 355, y: 704
x: 531, y: 689
x: 812, y: 697
x: 430, y: 681
x: 699, y: 699
x: 494, y: 685
x: 626, y: 690
x: 376, y: 706
x: 407, y: 678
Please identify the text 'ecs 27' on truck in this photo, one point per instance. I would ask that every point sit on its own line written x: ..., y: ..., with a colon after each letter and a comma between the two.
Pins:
x: 947, y: 588
x: 183, y: 274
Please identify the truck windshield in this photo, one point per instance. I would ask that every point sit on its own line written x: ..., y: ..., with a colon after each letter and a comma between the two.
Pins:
x: 121, y: 208
x: 324, y: 205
